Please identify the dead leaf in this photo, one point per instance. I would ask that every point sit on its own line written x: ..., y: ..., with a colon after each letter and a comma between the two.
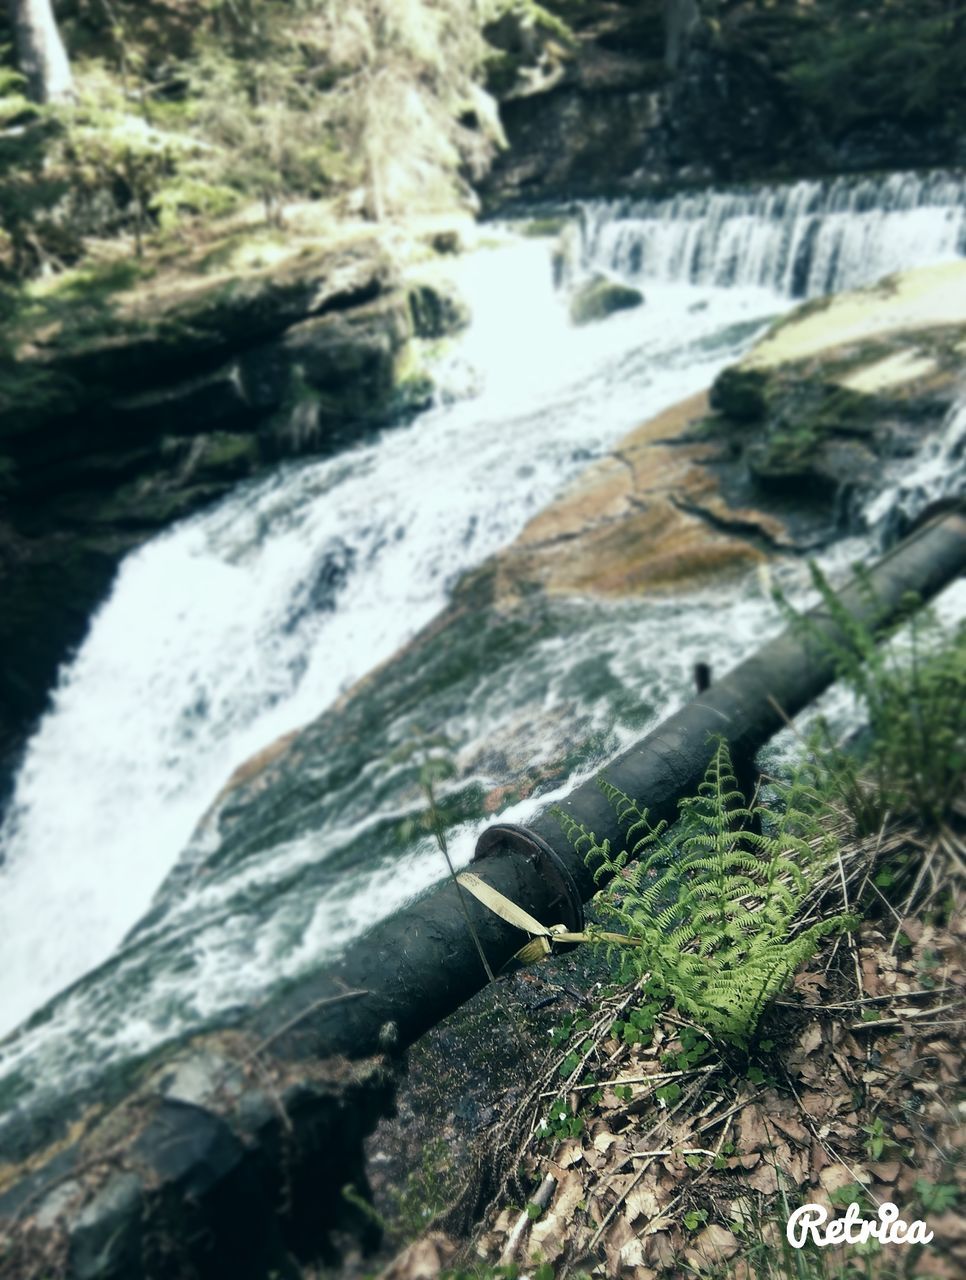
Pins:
x: 424, y: 1259
x: 711, y: 1247
x: 764, y: 1179
x: 569, y: 1153
x: 835, y: 1176
x: 551, y: 1232
x: 811, y: 1038
x: 641, y: 1203
x: 793, y: 1129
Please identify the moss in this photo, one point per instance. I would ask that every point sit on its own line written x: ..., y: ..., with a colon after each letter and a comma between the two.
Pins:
x: 540, y: 228
x: 740, y: 394
x: 226, y: 456
x: 803, y: 417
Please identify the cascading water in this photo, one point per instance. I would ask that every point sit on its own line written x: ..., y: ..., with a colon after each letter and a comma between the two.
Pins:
x: 802, y: 240
x: 251, y: 619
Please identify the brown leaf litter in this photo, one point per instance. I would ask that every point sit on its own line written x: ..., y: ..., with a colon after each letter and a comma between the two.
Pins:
x: 853, y: 1092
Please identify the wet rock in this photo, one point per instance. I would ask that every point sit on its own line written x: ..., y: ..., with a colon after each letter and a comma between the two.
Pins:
x: 160, y: 415
x: 618, y: 111
x: 836, y: 392
x: 598, y: 298
x: 437, y: 309
x: 210, y: 1183
x: 739, y: 394
x: 106, y: 1234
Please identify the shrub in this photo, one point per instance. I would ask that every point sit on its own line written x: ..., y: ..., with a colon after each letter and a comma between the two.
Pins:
x: 912, y: 693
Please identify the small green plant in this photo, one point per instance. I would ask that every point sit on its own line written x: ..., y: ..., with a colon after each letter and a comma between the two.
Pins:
x: 852, y: 1193
x: 712, y: 912
x: 936, y: 1197
x: 424, y: 1194
x: 876, y: 1140
x: 560, y: 1122
x: 913, y: 696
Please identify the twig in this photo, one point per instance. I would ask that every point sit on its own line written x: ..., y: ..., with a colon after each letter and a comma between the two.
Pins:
x: 541, y: 1200
x: 849, y: 1004
x: 603, y: 1084
x: 670, y: 1151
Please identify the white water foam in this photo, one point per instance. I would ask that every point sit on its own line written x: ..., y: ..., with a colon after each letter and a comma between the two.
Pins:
x: 801, y: 240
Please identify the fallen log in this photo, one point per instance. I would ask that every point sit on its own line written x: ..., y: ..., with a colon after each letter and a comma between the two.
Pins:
x: 229, y: 1158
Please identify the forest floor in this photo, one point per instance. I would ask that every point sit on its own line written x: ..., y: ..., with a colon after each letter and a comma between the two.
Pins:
x: 630, y: 1147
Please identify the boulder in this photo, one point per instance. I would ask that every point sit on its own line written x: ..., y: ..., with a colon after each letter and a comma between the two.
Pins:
x: 837, y: 390
x: 437, y: 309
x: 599, y: 297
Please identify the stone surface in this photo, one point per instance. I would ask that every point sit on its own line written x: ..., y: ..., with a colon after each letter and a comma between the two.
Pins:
x: 597, y: 298
x: 608, y: 116
x: 161, y: 1187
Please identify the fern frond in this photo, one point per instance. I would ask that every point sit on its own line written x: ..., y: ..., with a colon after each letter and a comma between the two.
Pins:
x: 713, y: 906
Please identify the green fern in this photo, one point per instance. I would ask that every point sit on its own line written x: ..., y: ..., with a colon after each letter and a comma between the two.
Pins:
x: 714, y: 912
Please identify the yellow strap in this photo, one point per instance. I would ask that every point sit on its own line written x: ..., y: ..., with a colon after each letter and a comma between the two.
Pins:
x: 541, y: 944
x: 501, y: 905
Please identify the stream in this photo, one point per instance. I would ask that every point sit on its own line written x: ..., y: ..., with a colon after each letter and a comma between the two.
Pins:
x: 252, y: 618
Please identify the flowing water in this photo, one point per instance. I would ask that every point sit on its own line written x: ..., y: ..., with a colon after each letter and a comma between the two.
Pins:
x: 804, y: 239
x: 251, y: 619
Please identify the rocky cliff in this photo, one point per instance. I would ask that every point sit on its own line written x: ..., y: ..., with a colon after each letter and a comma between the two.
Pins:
x: 748, y: 92
x: 162, y: 403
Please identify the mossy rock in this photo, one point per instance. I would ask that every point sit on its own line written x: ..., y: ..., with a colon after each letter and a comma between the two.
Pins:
x: 437, y: 309
x: 739, y: 394
x: 543, y: 228
x: 599, y: 298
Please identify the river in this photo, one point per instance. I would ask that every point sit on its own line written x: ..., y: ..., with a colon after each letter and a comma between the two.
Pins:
x: 249, y: 620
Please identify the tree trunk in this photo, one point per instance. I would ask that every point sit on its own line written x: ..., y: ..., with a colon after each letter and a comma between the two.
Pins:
x: 41, y: 55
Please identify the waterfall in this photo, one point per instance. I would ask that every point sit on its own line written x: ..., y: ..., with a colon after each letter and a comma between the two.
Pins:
x: 937, y: 472
x: 250, y: 619
x: 802, y: 240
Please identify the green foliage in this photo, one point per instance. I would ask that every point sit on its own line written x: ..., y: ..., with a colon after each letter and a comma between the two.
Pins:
x: 936, y: 1197
x: 184, y: 120
x: 903, y: 62
x: 560, y: 1122
x: 29, y: 192
x: 713, y: 911
x: 425, y: 1193
x: 913, y: 697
